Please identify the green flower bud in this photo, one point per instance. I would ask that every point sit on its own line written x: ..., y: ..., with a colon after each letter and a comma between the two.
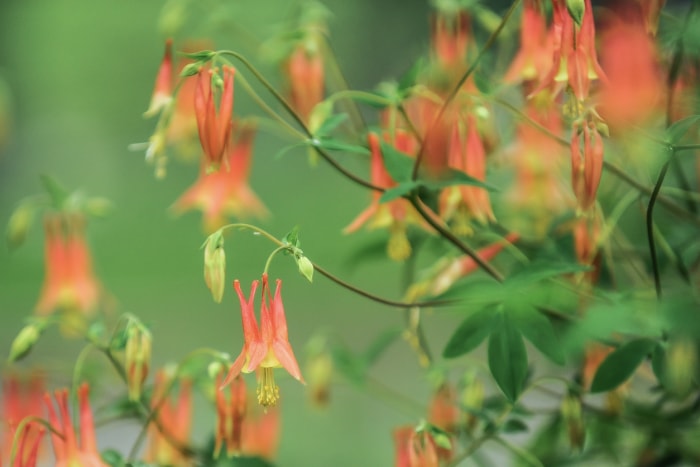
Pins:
x: 577, y: 8
x: 306, y: 268
x: 215, y: 265
x: 23, y: 343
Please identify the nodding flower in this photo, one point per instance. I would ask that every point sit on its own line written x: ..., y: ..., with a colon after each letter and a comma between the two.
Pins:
x: 214, y: 125
x: 305, y: 77
x: 163, y: 89
x: 71, y: 450
x: 69, y: 284
x: 265, y: 347
x: 226, y: 192
x: 22, y: 398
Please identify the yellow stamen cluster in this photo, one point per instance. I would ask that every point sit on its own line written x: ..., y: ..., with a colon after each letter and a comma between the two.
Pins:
x: 268, y: 392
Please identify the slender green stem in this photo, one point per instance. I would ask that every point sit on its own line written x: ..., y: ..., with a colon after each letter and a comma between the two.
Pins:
x: 650, y: 225
x: 455, y: 90
x: 295, y: 116
x: 685, y: 147
x: 449, y: 236
x: 272, y: 255
x: 281, y: 246
x: 258, y: 100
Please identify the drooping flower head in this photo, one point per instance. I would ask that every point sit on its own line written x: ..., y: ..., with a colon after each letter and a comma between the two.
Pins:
x: 414, y: 449
x: 214, y: 125
x: 586, y: 163
x: 231, y: 410
x: 71, y: 450
x: 174, y: 417
x: 21, y: 398
x: 395, y: 214
x: 265, y: 347
x: 305, y: 76
x: 225, y: 192
x: 534, y: 58
x: 70, y: 285
x: 162, y: 91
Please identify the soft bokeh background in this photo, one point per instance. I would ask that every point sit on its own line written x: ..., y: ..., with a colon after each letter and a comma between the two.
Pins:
x: 79, y: 75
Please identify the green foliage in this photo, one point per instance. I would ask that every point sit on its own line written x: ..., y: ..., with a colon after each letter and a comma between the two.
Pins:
x: 620, y: 364
x: 508, y: 358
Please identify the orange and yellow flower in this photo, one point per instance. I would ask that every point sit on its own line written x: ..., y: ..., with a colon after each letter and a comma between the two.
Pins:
x: 266, y: 347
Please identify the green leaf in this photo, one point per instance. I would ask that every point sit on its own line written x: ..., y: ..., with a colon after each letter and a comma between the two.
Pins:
x: 398, y: 191
x: 380, y: 344
x: 113, y: 458
x: 286, y: 149
x: 471, y: 333
x: 508, y: 359
x: 538, y: 271
x: 292, y: 237
x: 675, y: 132
x: 620, y: 364
x: 457, y: 177
x: 373, y: 99
x: 398, y: 164
x: 658, y: 363
x: 514, y: 425
x: 539, y: 330
x: 335, y: 145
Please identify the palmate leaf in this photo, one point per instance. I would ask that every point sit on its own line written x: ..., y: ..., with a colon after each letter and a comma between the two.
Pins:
x: 621, y: 364
x: 508, y: 358
x: 538, y: 330
x: 471, y: 332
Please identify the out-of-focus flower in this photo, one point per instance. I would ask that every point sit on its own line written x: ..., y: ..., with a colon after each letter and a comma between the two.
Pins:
x: 635, y: 88
x: 71, y: 450
x: 414, y: 449
x: 538, y: 194
x: 174, y: 416
x: 446, y: 273
x: 214, y: 124
x: 450, y: 37
x: 395, y: 214
x: 21, y: 398
x: 574, y: 60
x: 69, y: 284
x: 261, y: 432
x: 534, y: 58
x: 305, y: 76
x: 225, y: 192
x: 266, y: 347
x: 137, y: 359
x: 231, y: 411
x: 463, y: 202
x: 162, y: 91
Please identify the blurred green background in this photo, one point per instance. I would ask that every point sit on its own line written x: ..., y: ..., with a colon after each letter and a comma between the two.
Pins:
x: 79, y: 75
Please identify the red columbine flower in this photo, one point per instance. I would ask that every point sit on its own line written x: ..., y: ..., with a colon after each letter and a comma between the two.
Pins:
x: 574, y: 59
x: 226, y: 192
x: 467, y: 153
x: 635, y: 89
x: 174, y: 417
x: 214, y: 126
x: 265, y: 347
x: 69, y: 284
x: 450, y: 35
x: 22, y: 399
x: 68, y: 450
x: 535, y: 55
x: 414, y: 449
x: 261, y: 432
x: 230, y: 416
x: 162, y: 92
x: 395, y: 214
x: 305, y: 75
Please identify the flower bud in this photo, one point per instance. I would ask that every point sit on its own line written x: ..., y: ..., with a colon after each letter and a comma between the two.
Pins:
x: 19, y: 224
x: 137, y: 359
x: 215, y: 265
x: 25, y: 340
x: 681, y: 364
x: 306, y: 268
x: 572, y: 415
